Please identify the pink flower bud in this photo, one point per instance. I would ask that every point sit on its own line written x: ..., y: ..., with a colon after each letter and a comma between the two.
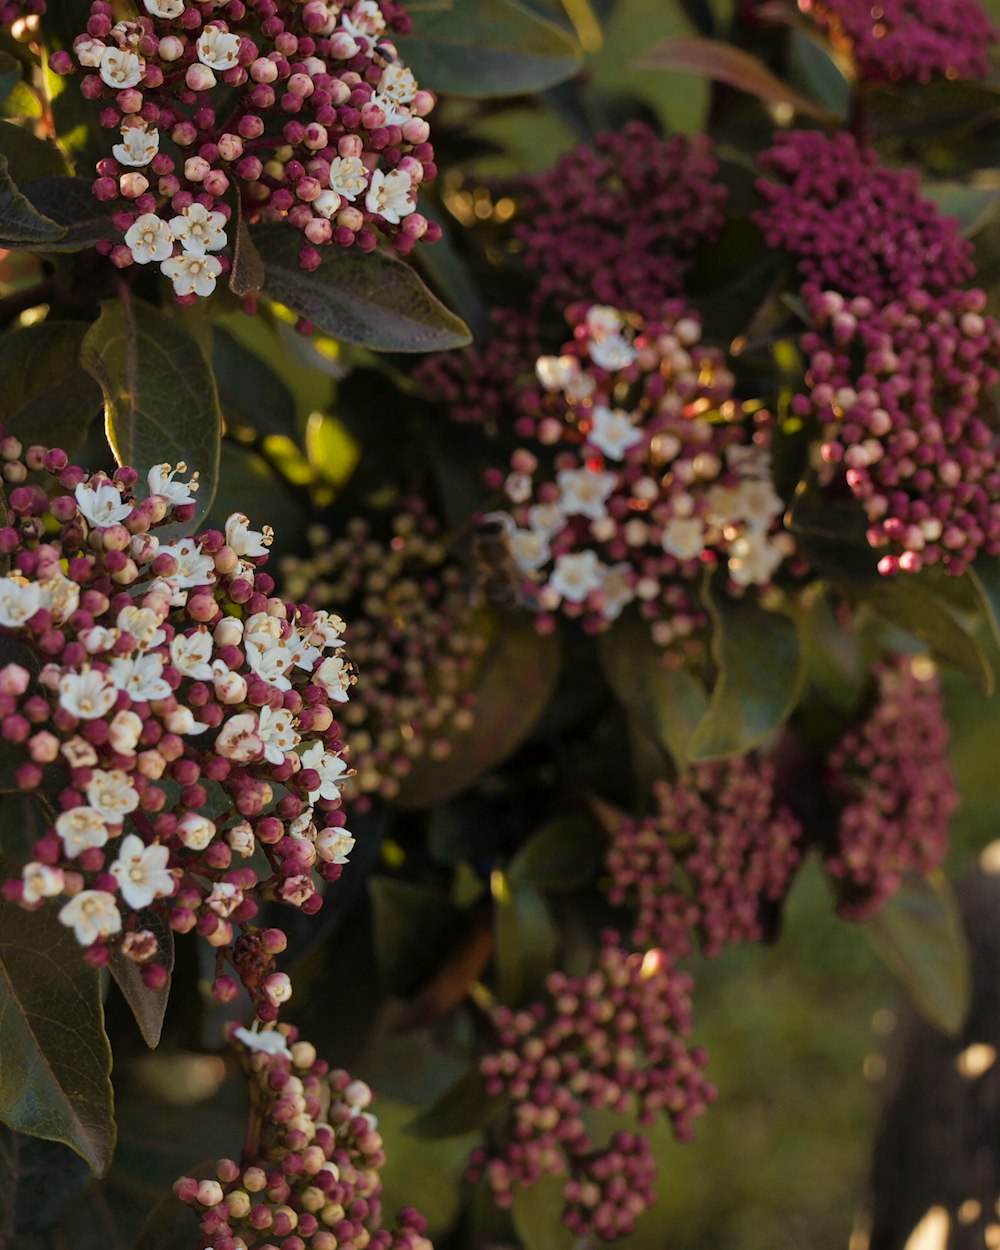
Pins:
x: 230, y: 147
x: 199, y: 77
x: 171, y: 48
x: 195, y: 168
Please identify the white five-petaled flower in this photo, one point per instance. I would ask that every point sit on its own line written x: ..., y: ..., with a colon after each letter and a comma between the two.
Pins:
x: 239, y: 740
x: 336, y: 677
x: 81, y: 828
x: 92, y: 915
x: 612, y: 352
x: 199, y: 231
x: 88, y: 51
x: 364, y: 18
x: 334, y: 845
x: 244, y: 541
x: 331, y: 769
x: 326, y: 631
x: 389, y: 195
x: 111, y: 794
x: 87, y: 695
x: 218, y: 49
x: 603, y: 319
x: 575, y: 575
x: 141, y: 872
x: 101, y: 504
x: 143, y: 624
x: 396, y: 114
x: 160, y: 480
x: 165, y: 9
x: 583, y: 493
x: 121, y: 68
x: 276, y: 729
x: 546, y: 518
x: 348, y: 176
x: 149, y: 238
x: 192, y: 654
x: 19, y: 601
x: 41, y: 881
x: 138, y: 146
x: 194, y: 568
x: 397, y: 83
x: 612, y: 432
x: 60, y: 595
x: 530, y: 549
x: 192, y: 274
x: 141, y: 677
x: 753, y: 558
x: 270, y: 1042
x: 684, y: 537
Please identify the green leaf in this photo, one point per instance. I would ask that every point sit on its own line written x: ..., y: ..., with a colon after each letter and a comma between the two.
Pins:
x: 250, y: 392
x: 562, y: 855
x: 667, y: 704
x: 430, y: 1169
x: 537, y: 1214
x: 985, y: 578
x: 401, y: 909
x: 487, y: 48
x: 160, y: 402
x: 973, y: 207
x: 918, y: 934
x: 815, y: 69
x: 526, y: 940
x: 513, y: 687
x: 148, y: 1006
x: 832, y: 651
x: 759, y: 679
x: 462, y: 1108
x: 55, y: 1061
x: 28, y: 157
x: 44, y: 388
x: 909, y: 603
x: 21, y: 225
x: 373, y: 301
x: 70, y: 203
x: 247, y: 273
x: 39, y: 1181
x: 10, y: 74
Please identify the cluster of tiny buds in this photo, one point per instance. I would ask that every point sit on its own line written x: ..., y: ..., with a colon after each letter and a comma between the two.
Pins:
x: 643, y: 475
x: 411, y: 635
x: 699, y: 870
x: 908, y: 40
x: 309, y: 1175
x: 304, y: 107
x: 174, y: 715
x: 892, y: 776
x: 611, y: 1039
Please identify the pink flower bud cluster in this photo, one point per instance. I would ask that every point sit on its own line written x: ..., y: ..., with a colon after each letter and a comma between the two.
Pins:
x: 642, y: 475
x: 612, y: 1039
x: 854, y: 226
x: 617, y: 223
x: 174, y: 712
x: 411, y: 636
x: 698, y: 871
x: 908, y: 40
x: 304, y: 107
x: 892, y: 775
x: 309, y: 1176
x: 898, y: 391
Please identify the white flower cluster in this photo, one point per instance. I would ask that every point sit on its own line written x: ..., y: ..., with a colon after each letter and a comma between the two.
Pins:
x: 198, y: 231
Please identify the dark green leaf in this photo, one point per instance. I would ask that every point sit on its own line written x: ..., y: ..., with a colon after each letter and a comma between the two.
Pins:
x: 10, y: 75
x: 487, y: 48
x: 972, y: 206
x: 171, y: 1225
x: 449, y: 274
x: 55, y: 1061
x: 148, y: 1006
x: 28, y: 157
x: 21, y: 225
x: 247, y: 273
x: 43, y: 387
x: 537, y: 1214
x: 250, y: 392
x: 985, y: 577
x: 832, y: 651
x: 813, y: 68
x: 373, y: 301
x: 39, y: 1180
x: 70, y: 203
x: 918, y: 933
x: 463, y: 1107
x: 526, y: 941
x: 562, y: 855
x: 759, y: 679
x: 160, y: 402
x: 401, y: 909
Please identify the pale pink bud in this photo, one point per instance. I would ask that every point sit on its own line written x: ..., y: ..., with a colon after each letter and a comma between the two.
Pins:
x: 14, y: 679
x: 170, y: 48
x: 263, y: 70
x: 199, y: 77
x: 43, y: 747
x: 230, y: 147
x: 229, y: 689
x: 151, y: 764
x: 228, y: 632
x: 277, y: 988
x: 133, y: 184
x: 195, y: 168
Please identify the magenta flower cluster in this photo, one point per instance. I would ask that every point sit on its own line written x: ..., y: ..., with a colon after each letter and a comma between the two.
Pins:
x: 309, y: 1175
x: 909, y: 40
x: 611, y: 1039
x: 304, y: 107
x: 641, y: 476
x: 892, y: 777
x: 698, y: 871
x: 178, y: 711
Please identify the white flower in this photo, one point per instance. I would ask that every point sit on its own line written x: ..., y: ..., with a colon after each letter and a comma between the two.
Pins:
x: 81, y: 828
x: 192, y: 274
x: 270, y: 1042
x: 684, y: 537
x: 239, y: 740
x: 556, y: 372
x: 181, y: 721
x: 326, y: 631
x: 583, y: 493
x: 191, y: 654
x: 245, y: 541
x: 612, y: 352
x: 603, y: 319
x: 304, y: 654
x: 277, y: 732
x: 197, y: 231
x: 141, y: 677
x: 166, y: 9
x: 268, y: 653
x: 102, y: 505
x: 530, y: 549
x: 546, y: 518
x: 331, y: 769
x: 753, y: 559
x: 575, y: 575
x: 148, y: 238
x: 396, y: 114
x: 364, y: 18
x: 141, y: 872
x: 218, y: 49
x: 121, y: 68
x: 327, y: 203
x: 78, y: 753
x: 92, y: 914
x: 41, y: 881
x: 60, y: 595
x: 87, y: 695
x: 613, y: 432
x: 348, y: 176
x: 224, y: 898
x: 397, y: 84
x: 230, y: 688
x: 241, y: 840
x: 97, y: 638
x: 334, y: 845
x: 88, y: 51
x: 112, y: 795
x: 193, y: 567
x: 143, y: 624
x: 195, y: 831
x: 302, y: 826
x: 19, y: 601
x: 618, y: 590
x: 336, y: 677
x: 389, y: 195
x: 160, y: 477
x: 138, y: 146
x: 124, y: 732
